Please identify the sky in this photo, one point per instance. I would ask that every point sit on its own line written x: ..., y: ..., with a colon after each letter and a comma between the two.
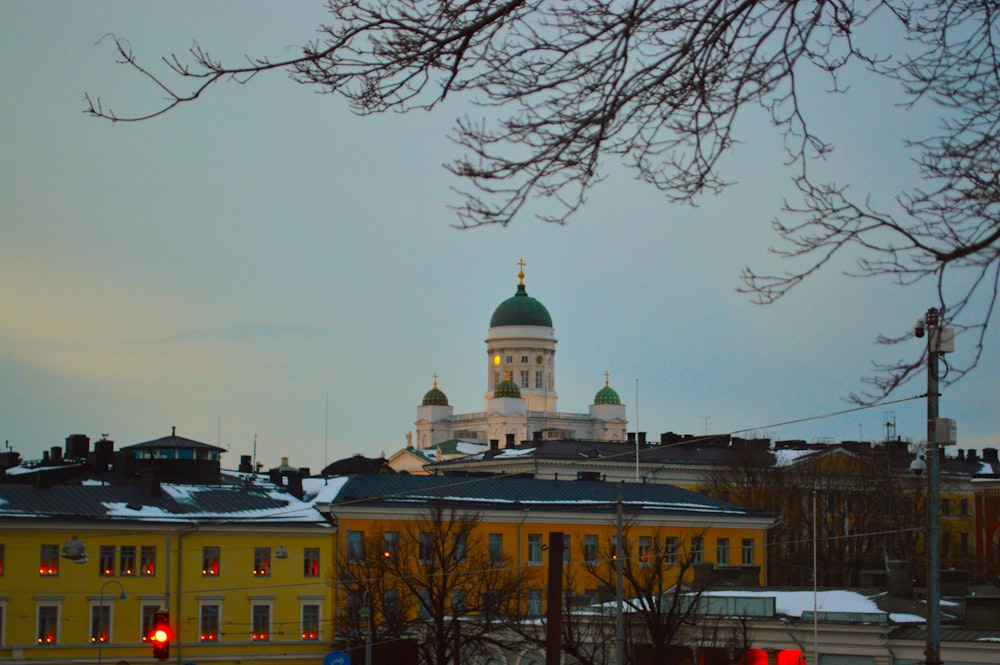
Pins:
x: 267, y: 272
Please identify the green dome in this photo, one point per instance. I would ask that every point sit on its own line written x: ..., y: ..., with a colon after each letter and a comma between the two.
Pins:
x: 521, y: 310
x: 507, y: 388
x: 434, y: 396
x: 607, y: 395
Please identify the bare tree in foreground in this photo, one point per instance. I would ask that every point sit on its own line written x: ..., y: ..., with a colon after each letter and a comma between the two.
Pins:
x: 430, y: 578
x: 659, y: 85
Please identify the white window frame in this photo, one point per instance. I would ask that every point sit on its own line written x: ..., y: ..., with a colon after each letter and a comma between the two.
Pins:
x: 48, y: 602
x: 318, y: 602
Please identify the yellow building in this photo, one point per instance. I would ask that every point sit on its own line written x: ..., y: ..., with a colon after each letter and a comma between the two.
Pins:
x: 515, y: 518
x: 242, y: 567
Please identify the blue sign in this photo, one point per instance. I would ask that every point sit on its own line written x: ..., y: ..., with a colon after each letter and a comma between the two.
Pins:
x: 337, y: 658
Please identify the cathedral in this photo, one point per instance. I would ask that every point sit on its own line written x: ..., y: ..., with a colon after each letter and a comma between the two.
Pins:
x: 521, y: 395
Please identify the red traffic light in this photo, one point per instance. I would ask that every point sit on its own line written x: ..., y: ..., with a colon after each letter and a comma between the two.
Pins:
x: 160, y: 635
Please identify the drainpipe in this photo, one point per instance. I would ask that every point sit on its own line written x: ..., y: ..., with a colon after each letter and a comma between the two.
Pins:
x: 520, y: 558
x: 180, y: 577
x: 888, y: 647
x: 785, y: 623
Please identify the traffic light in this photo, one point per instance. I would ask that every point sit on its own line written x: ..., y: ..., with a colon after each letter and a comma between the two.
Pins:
x: 161, y: 634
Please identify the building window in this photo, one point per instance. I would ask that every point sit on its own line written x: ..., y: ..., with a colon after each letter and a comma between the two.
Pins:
x: 459, y: 547
x: 946, y: 506
x: 534, y: 549
x: 538, y: 380
x: 48, y: 624
x: 127, y: 560
x: 311, y: 562
x: 100, y: 623
x: 3, y: 560
x: 210, y: 561
x: 670, y: 551
x: 260, y: 617
x: 425, y: 553
x: 524, y: 360
x: 146, y: 622
x: 459, y: 606
x: 645, y: 551
x: 963, y: 544
x: 524, y: 378
x: 697, y: 549
x: 534, y: 602
x: 310, y: 621
x: 208, y: 623
x: 496, y: 548
x: 566, y: 543
x: 496, y: 379
x: 747, y: 552
x: 106, y: 560
x: 722, y: 551
x: 390, y: 607
x: 355, y: 546
x: 147, y: 560
x: 390, y: 545
x: 552, y: 381
x: 590, y: 548
x: 423, y: 604
x: 963, y: 507
x: 48, y: 560
x: 262, y: 561
x: 510, y: 360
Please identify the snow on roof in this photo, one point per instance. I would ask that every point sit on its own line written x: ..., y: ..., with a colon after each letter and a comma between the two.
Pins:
x: 323, y: 490
x: 795, y: 603
x: 787, y: 456
x: 469, y: 447
x: 512, y: 452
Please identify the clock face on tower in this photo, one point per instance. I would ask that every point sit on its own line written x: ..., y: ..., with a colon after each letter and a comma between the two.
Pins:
x: 539, y: 360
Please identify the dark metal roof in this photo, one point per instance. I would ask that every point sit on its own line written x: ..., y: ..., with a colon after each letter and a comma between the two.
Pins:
x: 514, y: 493
x: 187, y: 503
x: 173, y: 441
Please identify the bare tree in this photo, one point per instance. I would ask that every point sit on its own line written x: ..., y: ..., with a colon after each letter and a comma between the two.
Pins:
x: 659, y: 85
x: 430, y: 577
x: 661, y: 611
x: 868, y: 509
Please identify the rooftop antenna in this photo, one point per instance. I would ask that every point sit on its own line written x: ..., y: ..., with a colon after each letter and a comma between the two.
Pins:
x: 705, y: 421
x: 326, y: 432
x: 890, y: 425
x: 255, y: 450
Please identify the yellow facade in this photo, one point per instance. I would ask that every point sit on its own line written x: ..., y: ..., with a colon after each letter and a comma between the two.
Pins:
x: 526, y: 535
x: 53, y: 609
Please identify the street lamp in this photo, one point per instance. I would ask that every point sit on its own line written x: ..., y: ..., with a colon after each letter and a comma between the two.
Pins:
x: 100, y: 604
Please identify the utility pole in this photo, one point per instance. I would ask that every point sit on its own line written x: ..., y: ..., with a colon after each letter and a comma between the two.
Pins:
x: 940, y: 432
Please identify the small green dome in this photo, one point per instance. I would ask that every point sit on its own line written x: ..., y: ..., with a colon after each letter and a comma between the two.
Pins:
x: 607, y: 395
x: 434, y: 396
x: 521, y: 310
x: 507, y: 388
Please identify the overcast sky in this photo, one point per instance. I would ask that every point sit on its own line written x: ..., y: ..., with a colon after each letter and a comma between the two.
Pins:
x: 265, y: 264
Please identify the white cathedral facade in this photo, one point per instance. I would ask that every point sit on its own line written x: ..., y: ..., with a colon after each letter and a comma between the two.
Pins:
x: 521, y: 396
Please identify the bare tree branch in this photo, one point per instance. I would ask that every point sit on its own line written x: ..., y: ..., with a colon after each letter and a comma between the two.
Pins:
x: 659, y: 85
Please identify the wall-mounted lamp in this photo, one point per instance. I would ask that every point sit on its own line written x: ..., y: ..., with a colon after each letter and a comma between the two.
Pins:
x: 75, y: 550
x: 281, y: 553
